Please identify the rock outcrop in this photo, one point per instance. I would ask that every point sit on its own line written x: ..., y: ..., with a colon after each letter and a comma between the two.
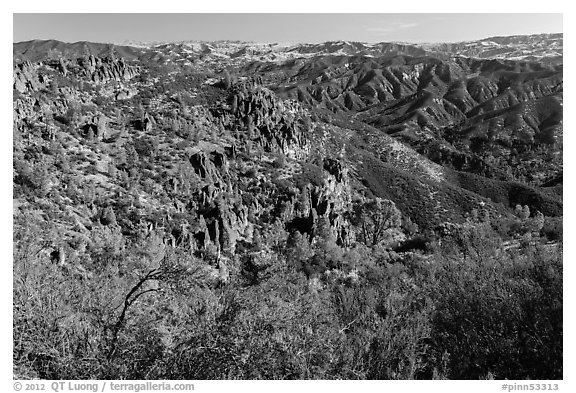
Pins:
x: 222, y: 219
x: 331, y: 199
x: 24, y: 109
x: 26, y: 77
x: 124, y: 94
x: 101, y: 70
x: 98, y: 125
x: 273, y: 124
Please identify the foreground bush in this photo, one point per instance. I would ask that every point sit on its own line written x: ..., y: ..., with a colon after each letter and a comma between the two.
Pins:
x: 482, y: 313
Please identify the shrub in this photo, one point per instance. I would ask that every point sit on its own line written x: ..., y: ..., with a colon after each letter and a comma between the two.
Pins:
x: 499, y: 315
x: 279, y: 162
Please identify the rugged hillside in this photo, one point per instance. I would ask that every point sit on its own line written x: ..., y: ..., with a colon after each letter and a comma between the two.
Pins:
x: 495, y: 118
x: 213, y: 174
x: 438, y: 137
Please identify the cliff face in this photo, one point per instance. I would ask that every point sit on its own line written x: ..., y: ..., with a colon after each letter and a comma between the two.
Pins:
x: 222, y: 219
x: 330, y: 200
x: 26, y: 77
x: 264, y: 120
x: 101, y: 70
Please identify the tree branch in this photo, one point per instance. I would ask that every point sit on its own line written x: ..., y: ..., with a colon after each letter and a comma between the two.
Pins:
x: 130, y: 298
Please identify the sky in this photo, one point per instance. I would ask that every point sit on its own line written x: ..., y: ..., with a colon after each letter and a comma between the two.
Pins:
x: 279, y: 27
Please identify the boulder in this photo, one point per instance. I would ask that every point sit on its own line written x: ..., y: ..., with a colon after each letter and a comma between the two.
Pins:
x: 97, y: 126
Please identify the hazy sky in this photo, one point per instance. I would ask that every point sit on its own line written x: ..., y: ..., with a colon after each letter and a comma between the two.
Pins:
x: 294, y: 28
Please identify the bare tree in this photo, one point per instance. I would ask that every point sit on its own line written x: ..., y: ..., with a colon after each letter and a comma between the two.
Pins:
x: 375, y: 219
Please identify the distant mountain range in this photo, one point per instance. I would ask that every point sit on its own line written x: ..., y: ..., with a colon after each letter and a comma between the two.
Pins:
x: 538, y: 47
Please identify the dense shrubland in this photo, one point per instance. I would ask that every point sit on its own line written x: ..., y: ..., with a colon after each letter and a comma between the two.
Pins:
x: 467, y: 309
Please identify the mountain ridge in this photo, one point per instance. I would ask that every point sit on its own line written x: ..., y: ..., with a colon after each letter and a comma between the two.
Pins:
x: 520, y: 47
